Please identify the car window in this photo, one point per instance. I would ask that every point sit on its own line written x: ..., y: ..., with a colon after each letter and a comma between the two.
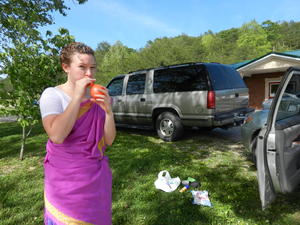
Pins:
x: 115, y: 87
x: 290, y: 102
x: 136, y: 84
x: 179, y: 79
x: 224, y: 77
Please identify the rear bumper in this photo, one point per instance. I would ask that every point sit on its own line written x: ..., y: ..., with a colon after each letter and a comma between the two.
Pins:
x: 232, y: 118
x: 227, y: 119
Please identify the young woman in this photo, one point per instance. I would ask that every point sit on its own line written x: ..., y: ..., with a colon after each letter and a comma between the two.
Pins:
x: 78, y: 179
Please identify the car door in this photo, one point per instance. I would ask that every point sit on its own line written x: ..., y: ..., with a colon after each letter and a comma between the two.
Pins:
x: 278, y: 146
x: 137, y: 101
x: 115, y: 88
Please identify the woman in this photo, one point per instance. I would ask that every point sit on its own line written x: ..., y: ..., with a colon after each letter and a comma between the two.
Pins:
x: 78, y: 179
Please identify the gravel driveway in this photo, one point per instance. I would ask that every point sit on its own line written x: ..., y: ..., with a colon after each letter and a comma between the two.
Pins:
x: 233, y: 134
x: 8, y: 119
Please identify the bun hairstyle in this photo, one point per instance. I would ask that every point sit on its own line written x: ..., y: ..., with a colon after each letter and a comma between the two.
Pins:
x: 75, y: 47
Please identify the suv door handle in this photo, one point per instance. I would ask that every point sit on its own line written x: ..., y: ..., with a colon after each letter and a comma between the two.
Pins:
x: 236, y: 94
x: 142, y: 99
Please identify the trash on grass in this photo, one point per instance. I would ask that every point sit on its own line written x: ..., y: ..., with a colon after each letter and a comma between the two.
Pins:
x: 195, y: 184
x: 184, y: 188
x: 201, y: 198
x: 185, y: 182
x: 165, y: 183
x: 190, y: 179
x: 191, y: 182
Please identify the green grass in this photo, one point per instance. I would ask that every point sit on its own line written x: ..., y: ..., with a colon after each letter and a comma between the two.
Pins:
x: 136, y: 157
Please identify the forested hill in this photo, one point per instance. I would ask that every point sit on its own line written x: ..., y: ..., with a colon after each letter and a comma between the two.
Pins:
x: 228, y: 46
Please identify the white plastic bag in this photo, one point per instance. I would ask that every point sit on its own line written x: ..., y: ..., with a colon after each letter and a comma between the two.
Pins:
x: 165, y: 183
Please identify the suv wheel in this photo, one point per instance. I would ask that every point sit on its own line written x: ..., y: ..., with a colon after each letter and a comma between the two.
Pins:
x: 169, y: 127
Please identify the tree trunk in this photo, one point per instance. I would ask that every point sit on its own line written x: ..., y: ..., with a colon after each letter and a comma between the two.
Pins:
x: 23, y: 143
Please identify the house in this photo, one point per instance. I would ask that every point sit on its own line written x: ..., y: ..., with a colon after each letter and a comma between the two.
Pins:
x: 262, y: 75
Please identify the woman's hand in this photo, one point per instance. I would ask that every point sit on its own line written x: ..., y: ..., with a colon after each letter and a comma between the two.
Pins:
x: 80, y: 87
x: 103, y: 100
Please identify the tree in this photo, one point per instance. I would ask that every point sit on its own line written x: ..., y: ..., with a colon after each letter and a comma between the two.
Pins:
x: 225, y: 45
x: 30, y: 62
x: 102, y: 48
x: 253, y: 41
x: 273, y: 33
x: 212, y: 47
x: 22, y: 18
x: 115, y: 61
x: 166, y: 51
x: 31, y: 68
x: 291, y: 38
x: 100, y: 52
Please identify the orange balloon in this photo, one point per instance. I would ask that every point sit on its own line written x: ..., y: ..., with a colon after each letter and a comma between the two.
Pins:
x: 96, y: 90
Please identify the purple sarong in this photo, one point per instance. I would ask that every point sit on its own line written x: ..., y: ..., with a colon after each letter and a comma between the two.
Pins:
x: 78, y: 179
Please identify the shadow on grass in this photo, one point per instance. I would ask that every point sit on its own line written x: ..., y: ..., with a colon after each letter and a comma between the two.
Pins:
x: 138, y: 155
x: 232, y: 134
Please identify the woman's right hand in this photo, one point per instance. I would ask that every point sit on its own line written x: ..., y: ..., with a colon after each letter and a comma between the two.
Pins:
x: 80, y: 87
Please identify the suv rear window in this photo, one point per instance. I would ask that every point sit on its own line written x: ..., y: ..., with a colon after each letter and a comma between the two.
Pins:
x: 224, y: 77
x: 115, y: 87
x: 179, y: 79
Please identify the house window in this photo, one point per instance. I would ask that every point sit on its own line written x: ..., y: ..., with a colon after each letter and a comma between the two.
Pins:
x: 273, y: 86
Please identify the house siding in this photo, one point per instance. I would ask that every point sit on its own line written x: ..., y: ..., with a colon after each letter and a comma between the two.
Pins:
x: 256, y: 86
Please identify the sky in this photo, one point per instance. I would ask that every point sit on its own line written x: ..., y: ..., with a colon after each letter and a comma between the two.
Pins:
x: 135, y: 22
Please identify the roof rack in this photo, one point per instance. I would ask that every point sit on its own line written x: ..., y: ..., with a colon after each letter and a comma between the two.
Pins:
x: 169, y: 66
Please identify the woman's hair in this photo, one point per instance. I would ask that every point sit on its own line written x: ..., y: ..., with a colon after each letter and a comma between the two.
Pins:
x: 75, y: 47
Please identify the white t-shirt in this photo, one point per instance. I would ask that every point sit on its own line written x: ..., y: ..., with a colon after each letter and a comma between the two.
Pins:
x: 53, y: 101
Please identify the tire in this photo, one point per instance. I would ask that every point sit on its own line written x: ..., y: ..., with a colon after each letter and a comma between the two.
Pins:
x: 168, y: 126
x: 253, y: 145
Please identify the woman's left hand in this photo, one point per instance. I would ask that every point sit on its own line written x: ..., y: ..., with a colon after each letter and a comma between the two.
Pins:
x: 103, y: 100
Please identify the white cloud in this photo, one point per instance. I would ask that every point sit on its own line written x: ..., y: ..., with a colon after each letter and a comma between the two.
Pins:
x: 124, y: 13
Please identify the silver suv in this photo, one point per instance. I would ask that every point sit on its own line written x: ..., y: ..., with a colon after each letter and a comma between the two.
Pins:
x: 172, y: 97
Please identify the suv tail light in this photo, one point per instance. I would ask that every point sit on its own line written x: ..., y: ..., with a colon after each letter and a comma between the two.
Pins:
x: 211, y: 100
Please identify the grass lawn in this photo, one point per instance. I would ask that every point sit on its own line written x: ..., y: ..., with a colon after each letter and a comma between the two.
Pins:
x: 136, y: 157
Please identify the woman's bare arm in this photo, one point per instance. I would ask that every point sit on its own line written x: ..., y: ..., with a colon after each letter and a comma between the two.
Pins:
x: 58, y: 127
x: 109, y: 129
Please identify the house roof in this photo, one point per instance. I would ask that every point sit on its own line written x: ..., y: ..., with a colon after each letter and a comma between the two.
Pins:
x: 293, y: 54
